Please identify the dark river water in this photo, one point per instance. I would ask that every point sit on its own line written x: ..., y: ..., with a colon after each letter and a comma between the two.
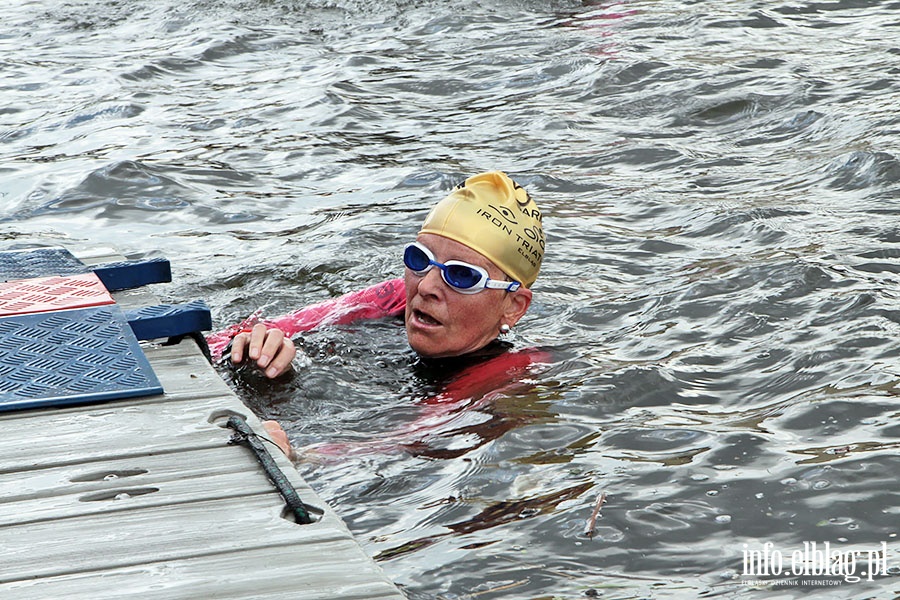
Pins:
x: 721, y: 190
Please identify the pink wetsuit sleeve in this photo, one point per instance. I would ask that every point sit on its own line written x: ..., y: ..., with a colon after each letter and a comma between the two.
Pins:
x: 382, y: 300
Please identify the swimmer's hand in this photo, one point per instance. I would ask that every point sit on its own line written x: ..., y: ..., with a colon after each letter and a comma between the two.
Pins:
x: 278, y: 435
x: 270, y: 348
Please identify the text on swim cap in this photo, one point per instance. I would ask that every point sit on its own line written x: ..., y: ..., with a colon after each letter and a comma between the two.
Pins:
x: 531, y: 240
x: 509, y: 215
x: 532, y: 212
x: 529, y: 251
x: 496, y: 221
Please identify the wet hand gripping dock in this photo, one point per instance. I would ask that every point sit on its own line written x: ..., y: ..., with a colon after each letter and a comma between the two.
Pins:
x: 144, y: 496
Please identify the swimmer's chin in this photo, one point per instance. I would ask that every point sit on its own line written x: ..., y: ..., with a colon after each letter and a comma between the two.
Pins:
x: 426, y: 348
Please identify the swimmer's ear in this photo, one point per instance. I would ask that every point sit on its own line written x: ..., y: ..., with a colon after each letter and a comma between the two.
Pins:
x: 516, y: 306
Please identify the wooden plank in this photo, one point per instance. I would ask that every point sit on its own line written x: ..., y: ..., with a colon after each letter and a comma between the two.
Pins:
x: 102, y: 541
x: 113, y: 430
x: 218, y: 544
x: 139, y: 482
x: 248, y: 573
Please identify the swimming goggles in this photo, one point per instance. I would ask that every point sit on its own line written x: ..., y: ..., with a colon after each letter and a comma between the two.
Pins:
x: 461, y: 276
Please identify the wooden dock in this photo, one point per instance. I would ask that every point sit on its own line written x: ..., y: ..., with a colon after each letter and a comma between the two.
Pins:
x: 145, y: 498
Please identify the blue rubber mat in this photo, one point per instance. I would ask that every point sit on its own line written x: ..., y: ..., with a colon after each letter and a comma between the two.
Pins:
x: 39, y: 262
x: 71, y: 357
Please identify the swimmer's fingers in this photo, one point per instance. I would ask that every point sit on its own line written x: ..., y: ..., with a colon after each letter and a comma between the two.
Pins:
x: 283, y: 361
x: 275, y: 352
x: 270, y: 348
x: 256, y: 351
x: 238, y: 347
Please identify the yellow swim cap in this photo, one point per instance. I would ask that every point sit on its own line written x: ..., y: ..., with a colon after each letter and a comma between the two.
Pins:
x: 496, y: 217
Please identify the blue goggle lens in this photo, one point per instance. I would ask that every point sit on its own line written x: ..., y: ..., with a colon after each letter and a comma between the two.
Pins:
x: 415, y: 259
x: 461, y: 276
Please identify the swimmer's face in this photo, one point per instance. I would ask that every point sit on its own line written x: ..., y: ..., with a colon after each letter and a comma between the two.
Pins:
x: 442, y: 322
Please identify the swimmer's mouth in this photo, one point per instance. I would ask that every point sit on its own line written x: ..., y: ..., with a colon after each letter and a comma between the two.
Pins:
x: 425, y: 318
